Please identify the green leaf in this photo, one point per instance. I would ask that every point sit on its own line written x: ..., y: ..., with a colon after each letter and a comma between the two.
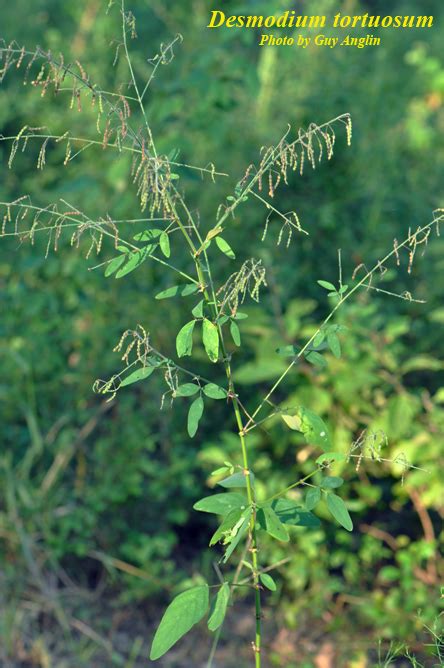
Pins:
x: 327, y: 285
x: 318, y: 339
x: 225, y: 247
x: 164, y: 243
x: 210, y: 337
x: 316, y: 358
x: 287, y: 351
x: 222, y: 470
x: 292, y: 421
x: 220, y: 607
x: 228, y: 523
x: 235, y: 333
x: 333, y: 343
x: 331, y: 482
x: 331, y: 457
x: 198, y: 310
x: 267, y: 581
x: 186, y: 390
x: 169, y: 292
x: 214, y: 391
x: 181, y: 290
x: 239, y: 532
x: 312, y: 498
x: 292, y: 514
x: 221, y: 504
x: 339, y: 511
x: 240, y: 316
x: 147, y: 235
x: 140, y: 374
x: 189, y: 289
x: 184, y: 611
x: 273, y: 525
x: 194, y: 415
x: 313, y: 428
x: 134, y: 260
x: 114, y: 264
x: 184, y: 339
x: 235, y: 480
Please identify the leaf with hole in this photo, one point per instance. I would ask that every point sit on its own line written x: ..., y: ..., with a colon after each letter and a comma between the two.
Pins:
x: 184, y: 611
x: 313, y: 428
x: 220, y: 607
x: 210, y: 338
x: 184, y: 339
x: 194, y: 415
x: 339, y: 511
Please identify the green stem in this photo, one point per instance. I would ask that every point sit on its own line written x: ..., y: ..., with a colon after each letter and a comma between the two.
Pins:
x: 214, y: 647
x: 344, y: 298
x: 245, y: 462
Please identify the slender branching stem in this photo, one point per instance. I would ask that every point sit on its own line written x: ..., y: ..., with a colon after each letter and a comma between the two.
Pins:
x: 341, y: 301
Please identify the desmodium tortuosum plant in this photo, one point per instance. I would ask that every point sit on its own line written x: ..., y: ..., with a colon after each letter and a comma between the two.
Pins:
x: 169, y: 228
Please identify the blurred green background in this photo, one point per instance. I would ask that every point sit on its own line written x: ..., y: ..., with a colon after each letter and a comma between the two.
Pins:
x: 96, y: 522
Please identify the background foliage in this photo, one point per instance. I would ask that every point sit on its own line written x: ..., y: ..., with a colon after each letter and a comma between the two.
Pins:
x: 96, y: 498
